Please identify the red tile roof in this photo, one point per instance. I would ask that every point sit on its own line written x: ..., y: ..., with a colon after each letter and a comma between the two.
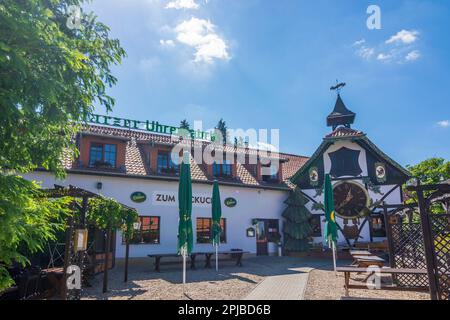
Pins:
x: 343, y: 132
x: 135, y: 160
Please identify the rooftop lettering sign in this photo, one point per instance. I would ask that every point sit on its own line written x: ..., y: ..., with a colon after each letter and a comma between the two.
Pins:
x: 147, y: 125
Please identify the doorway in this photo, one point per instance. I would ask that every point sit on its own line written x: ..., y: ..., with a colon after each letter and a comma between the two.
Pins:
x: 266, y: 231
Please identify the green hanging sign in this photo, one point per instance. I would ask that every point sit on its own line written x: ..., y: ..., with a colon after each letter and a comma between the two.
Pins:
x: 149, y: 126
x: 230, y: 202
x: 138, y: 197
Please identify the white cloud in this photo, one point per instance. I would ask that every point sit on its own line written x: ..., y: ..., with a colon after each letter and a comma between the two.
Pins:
x: 384, y: 56
x: 404, y: 36
x: 359, y: 42
x: 182, y: 4
x: 200, y: 34
x: 413, y: 55
x: 404, y: 50
x: 365, y: 52
x: 167, y: 43
x: 444, y: 123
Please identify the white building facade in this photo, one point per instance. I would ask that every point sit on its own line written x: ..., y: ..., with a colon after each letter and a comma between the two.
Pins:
x: 251, y: 204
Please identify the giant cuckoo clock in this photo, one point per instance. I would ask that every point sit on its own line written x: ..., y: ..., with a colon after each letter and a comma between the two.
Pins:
x: 351, y: 198
x: 353, y: 192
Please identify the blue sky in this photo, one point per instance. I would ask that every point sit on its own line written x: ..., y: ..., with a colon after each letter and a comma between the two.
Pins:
x: 269, y: 64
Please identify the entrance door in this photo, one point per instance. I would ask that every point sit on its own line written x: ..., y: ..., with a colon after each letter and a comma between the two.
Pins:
x: 262, y: 248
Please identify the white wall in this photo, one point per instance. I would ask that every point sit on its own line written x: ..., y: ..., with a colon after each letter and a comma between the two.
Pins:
x: 251, y: 203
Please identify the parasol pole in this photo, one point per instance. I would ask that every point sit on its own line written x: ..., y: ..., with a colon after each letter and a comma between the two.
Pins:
x: 184, y: 265
x: 217, y: 257
x: 334, y: 257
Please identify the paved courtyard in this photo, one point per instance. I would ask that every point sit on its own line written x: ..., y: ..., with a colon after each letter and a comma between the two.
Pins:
x: 261, y: 278
x: 261, y: 274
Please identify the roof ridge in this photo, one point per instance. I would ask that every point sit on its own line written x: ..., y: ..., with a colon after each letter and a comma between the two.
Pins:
x: 135, y: 133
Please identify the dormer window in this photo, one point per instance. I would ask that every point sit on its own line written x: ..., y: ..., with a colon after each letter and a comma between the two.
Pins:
x: 102, y: 155
x: 270, y: 173
x: 222, y: 169
x: 167, y: 165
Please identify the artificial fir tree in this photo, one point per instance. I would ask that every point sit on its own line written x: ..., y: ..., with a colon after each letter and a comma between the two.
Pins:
x: 297, y: 227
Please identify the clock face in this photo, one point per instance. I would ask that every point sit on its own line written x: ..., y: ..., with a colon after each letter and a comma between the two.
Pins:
x: 350, y: 199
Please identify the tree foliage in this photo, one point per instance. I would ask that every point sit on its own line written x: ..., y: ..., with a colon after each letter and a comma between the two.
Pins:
x: 107, y: 213
x: 430, y: 171
x: 297, y: 228
x: 184, y: 124
x: 27, y: 218
x: 221, y: 131
x: 50, y: 77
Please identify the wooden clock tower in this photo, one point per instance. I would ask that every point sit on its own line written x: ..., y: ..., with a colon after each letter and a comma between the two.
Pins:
x: 363, y: 179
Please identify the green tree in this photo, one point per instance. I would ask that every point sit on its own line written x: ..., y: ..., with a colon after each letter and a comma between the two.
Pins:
x: 430, y: 171
x: 222, y: 130
x: 27, y: 220
x: 297, y: 228
x: 184, y: 124
x: 51, y: 75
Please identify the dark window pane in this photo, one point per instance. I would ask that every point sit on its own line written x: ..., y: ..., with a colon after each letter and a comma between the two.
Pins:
x: 204, y: 230
x: 110, y: 154
x: 316, y: 225
x: 95, y: 154
x: 149, y: 232
x: 222, y: 169
x: 162, y: 162
x: 273, y: 173
x: 378, y: 226
x: 216, y: 169
x: 166, y: 164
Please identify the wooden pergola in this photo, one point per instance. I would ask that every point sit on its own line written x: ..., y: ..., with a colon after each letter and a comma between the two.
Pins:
x: 436, y: 233
x: 79, y: 193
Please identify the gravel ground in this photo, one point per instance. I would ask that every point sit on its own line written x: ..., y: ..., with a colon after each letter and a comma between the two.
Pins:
x: 230, y: 283
x: 320, y: 281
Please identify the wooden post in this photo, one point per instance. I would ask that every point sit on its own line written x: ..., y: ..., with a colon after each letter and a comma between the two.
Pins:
x: 127, y: 254
x: 69, y: 233
x: 428, y: 243
x: 105, y: 271
x: 389, y: 237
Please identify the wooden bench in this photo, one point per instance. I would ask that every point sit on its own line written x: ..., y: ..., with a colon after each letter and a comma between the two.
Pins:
x: 348, y: 270
x: 373, y: 246
x: 159, y: 256
x: 234, y: 254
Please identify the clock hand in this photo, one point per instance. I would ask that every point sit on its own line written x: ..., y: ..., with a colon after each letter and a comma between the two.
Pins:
x: 348, y: 198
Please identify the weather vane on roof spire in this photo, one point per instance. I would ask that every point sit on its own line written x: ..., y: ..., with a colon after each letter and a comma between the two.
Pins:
x: 338, y: 86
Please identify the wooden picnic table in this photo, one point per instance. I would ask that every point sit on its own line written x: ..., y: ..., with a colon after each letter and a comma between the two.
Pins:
x: 360, y: 253
x: 367, y: 261
x: 237, y: 254
x: 348, y: 270
x: 234, y: 253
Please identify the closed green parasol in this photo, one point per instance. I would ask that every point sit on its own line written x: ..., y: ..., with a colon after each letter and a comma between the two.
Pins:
x: 330, y: 234
x: 216, y: 216
x: 185, y: 209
